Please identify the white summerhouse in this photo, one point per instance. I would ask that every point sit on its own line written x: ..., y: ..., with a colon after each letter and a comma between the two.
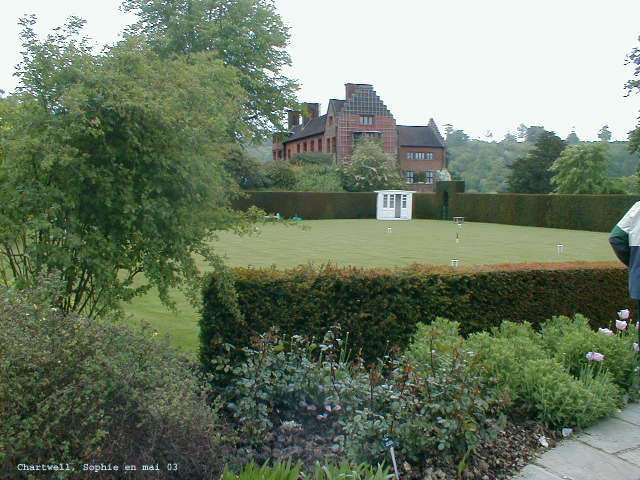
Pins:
x: 394, y: 204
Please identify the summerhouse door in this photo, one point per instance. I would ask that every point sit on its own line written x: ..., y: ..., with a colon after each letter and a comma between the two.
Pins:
x: 398, y: 204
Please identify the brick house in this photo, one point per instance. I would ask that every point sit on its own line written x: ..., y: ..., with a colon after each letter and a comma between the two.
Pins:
x: 420, y: 150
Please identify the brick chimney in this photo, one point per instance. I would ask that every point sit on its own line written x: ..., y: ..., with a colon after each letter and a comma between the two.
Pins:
x: 293, y: 119
x: 349, y: 89
x: 309, y: 111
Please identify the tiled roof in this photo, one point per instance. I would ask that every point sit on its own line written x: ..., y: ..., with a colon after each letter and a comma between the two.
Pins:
x: 314, y: 126
x: 418, y: 137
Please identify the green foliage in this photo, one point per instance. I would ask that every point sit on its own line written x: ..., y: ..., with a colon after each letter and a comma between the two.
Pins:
x: 596, y: 213
x: 312, y: 158
x: 542, y: 387
x: 114, y: 168
x: 531, y: 174
x: 633, y: 85
x: 604, y: 135
x: 288, y: 471
x: 381, y: 308
x: 280, y: 471
x: 370, y: 168
x: 247, y: 35
x: 456, y: 138
x: 280, y: 174
x: 567, y: 337
x: 77, y: 390
x: 572, y: 138
x: 581, y: 169
x: 245, y: 169
x: 533, y: 133
x: 318, y: 178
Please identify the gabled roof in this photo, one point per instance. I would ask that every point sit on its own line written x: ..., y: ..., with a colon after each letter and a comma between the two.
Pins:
x: 418, y: 137
x: 314, y: 126
x: 337, y: 105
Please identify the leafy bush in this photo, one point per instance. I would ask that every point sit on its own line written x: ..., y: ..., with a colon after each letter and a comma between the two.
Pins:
x: 76, y: 390
x: 312, y: 158
x: 440, y: 409
x: 542, y: 388
x: 280, y: 174
x: 318, y: 178
x: 569, y: 339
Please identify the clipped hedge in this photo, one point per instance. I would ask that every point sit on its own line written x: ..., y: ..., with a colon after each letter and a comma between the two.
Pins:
x: 381, y: 308
x: 598, y: 213
x: 312, y: 205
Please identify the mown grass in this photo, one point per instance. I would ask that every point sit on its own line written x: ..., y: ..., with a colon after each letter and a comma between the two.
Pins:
x: 366, y: 243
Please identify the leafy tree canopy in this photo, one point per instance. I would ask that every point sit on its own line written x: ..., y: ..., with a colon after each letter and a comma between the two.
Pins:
x: 572, y: 138
x: 371, y: 168
x: 581, y: 169
x: 531, y: 174
x: 248, y: 35
x: 456, y: 138
x: 604, y: 134
x: 533, y: 133
x: 114, y: 167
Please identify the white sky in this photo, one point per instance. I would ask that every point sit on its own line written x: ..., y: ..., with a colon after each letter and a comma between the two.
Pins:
x: 479, y: 65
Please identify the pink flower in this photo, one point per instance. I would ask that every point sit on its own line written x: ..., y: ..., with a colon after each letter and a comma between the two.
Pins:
x: 621, y: 325
x: 624, y: 314
x: 636, y: 347
x: 595, y: 356
x: 605, y: 331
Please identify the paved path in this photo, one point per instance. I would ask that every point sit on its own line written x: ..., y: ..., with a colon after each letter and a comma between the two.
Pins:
x: 609, y: 450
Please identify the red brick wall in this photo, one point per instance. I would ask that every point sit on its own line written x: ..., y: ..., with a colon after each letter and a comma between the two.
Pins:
x: 294, y: 149
x: 347, y: 124
x: 421, y: 165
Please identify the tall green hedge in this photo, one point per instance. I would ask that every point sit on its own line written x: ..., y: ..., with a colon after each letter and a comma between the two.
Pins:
x: 380, y: 308
x: 312, y: 205
x: 598, y: 213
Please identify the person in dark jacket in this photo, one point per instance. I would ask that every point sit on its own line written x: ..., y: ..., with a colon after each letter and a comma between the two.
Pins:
x: 625, y: 241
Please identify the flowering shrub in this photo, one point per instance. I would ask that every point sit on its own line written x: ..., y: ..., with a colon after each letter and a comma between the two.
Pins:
x: 542, y: 388
x: 572, y: 342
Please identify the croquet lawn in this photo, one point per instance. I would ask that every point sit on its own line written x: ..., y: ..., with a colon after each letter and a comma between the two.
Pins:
x: 373, y: 243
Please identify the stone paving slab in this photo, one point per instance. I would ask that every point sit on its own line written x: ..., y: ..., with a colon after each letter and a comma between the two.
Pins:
x: 573, y: 460
x: 533, y: 472
x: 631, y: 414
x: 611, y: 435
x: 632, y: 456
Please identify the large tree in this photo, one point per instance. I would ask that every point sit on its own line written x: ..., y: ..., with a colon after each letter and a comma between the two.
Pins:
x: 530, y: 174
x: 113, y: 167
x: 370, y: 168
x: 581, y: 169
x: 248, y: 35
x: 604, y: 135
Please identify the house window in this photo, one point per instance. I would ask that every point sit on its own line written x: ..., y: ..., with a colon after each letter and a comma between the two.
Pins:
x: 385, y: 201
x: 429, y: 177
x: 429, y: 156
x: 311, y: 145
x: 409, y: 176
x: 404, y: 201
x: 366, y: 119
x: 304, y: 146
x: 409, y: 155
x: 298, y: 147
x: 329, y: 145
x: 419, y: 155
x: 319, y: 144
x: 392, y: 201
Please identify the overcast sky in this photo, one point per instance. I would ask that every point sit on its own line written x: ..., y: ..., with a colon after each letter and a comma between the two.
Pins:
x: 478, y: 65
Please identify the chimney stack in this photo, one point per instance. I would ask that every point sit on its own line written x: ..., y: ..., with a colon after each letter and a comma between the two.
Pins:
x: 309, y: 111
x: 349, y: 89
x: 293, y: 119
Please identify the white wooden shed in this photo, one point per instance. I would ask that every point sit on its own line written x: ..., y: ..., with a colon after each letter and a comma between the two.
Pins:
x: 394, y: 204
